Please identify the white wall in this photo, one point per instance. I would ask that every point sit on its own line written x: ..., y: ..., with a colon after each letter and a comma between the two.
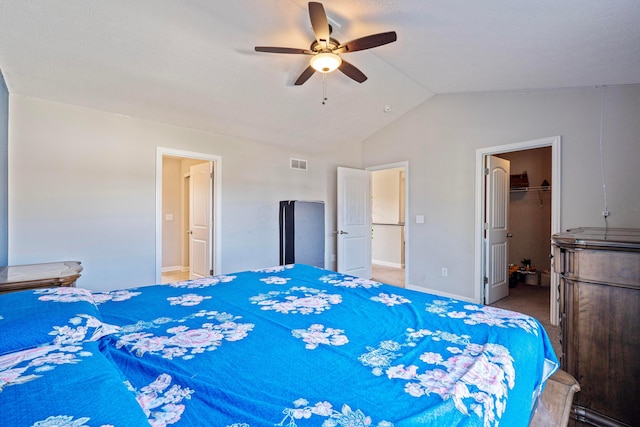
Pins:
x: 172, y: 187
x: 4, y: 163
x: 385, y: 190
x: 440, y: 137
x: 82, y: 187
x: 387, y: 203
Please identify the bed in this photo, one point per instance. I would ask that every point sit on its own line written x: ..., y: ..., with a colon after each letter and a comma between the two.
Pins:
x: 285, y: 346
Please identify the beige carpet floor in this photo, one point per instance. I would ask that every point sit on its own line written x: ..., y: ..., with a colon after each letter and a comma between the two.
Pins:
x: 388, y: 275
x: 175, y: 276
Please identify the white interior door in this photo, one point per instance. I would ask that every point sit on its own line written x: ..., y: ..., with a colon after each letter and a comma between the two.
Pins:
x: 497, y: 227
x: 200, y: 229
x: 354, y: 222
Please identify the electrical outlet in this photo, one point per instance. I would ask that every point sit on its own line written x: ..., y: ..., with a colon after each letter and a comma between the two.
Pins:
x: 445, y: 271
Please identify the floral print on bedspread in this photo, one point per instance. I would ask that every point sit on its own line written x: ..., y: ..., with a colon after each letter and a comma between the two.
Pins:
x: 187, y: 300
x: 183, y: 341
x: 390, y: 299
x: 476, y: 376
x: 316, y: 334
x: 79, y: 329
x: 64, y: 294
x: 276, y: 269
x: 205, y: 282
x: 346, y: 417
x: 298, y: 299
x: 117, y: 296
x: 28, y: 365
x: 275, y: 280
x: 349, y: 281
x: 477, y: 314
x: 163, y: 404
x: 65, y: 421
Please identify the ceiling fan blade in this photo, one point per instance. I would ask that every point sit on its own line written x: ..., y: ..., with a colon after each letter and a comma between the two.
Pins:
x: 319, y: 22
x: 367, y: 42
x: 308, y: 72
x: 352, y: 72
x: 292, y: 50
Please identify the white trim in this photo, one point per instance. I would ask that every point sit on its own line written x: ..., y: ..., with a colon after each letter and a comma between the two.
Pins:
x: 404, y: 165
x: 181, y: 268
x: 438, y: 293
x: 217, y: 216
x: 387, y: 263
x: 556, y: 167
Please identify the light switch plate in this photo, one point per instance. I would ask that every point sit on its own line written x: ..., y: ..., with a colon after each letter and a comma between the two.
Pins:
x: 419, y: 219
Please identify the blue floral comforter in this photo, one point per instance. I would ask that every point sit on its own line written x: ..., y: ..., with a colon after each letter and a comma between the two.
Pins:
x: 285, y: 346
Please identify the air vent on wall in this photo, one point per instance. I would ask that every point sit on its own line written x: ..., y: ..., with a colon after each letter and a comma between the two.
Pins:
x: 298, y: 164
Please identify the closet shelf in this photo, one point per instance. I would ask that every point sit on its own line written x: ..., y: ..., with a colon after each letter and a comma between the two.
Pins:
x: 525, y: 189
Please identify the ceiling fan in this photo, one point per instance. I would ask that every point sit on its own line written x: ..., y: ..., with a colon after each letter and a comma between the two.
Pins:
x: 325, y: 51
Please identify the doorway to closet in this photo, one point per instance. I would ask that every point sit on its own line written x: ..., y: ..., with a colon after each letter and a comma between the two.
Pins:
x: 529, y: 217
x: 533, y: 200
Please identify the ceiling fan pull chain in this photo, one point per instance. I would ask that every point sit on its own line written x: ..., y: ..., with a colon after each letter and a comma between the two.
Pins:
x: 324, y: 89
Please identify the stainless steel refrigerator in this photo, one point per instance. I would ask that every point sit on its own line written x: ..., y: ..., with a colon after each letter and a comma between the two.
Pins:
x: 302, y: 232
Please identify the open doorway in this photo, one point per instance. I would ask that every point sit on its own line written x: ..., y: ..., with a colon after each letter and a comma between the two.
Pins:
x: 186, y: 232
x: 388, y: 223
x: 529, y: 217
x: 187, y: 215
x: 538, y: 196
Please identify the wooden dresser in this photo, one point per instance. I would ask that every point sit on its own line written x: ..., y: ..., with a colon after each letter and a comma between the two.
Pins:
x: 600, y: 321
x: 31, y: 276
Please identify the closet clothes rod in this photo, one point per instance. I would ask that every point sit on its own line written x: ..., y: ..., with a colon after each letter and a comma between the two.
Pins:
x: 526, y: 189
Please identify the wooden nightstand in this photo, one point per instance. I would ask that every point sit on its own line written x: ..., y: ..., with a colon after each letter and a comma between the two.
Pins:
x: 19, y: 277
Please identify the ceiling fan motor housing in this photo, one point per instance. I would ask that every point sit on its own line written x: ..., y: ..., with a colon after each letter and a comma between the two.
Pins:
x: 318, y: 47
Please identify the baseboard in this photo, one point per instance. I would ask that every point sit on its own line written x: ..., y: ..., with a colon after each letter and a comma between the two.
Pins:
x: 439, y: 293
x: 387, y: 264
x: 174, y: 268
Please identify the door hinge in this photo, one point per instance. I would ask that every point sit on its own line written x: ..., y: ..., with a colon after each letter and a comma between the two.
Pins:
x: 486, y: 280
x: 486, y: 171
x: 485, y: 225
x: 211, y: 272
x: 210, y: 175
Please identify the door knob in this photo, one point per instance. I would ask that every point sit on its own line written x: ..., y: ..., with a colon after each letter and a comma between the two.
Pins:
x: 341, y: 232
x: 509, y: 235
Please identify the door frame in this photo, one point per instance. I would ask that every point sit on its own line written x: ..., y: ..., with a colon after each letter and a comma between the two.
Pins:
x: 216, y: 243
x: 407, y: 222
x: 555, y: 143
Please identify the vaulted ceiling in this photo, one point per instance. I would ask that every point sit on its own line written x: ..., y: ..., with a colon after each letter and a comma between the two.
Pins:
x: 192, y: 63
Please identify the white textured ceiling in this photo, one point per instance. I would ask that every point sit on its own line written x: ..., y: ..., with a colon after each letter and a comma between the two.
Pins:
x: 191, y: 62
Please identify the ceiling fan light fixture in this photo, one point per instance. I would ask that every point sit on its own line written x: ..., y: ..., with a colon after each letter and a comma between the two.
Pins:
x: 325, y: 62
